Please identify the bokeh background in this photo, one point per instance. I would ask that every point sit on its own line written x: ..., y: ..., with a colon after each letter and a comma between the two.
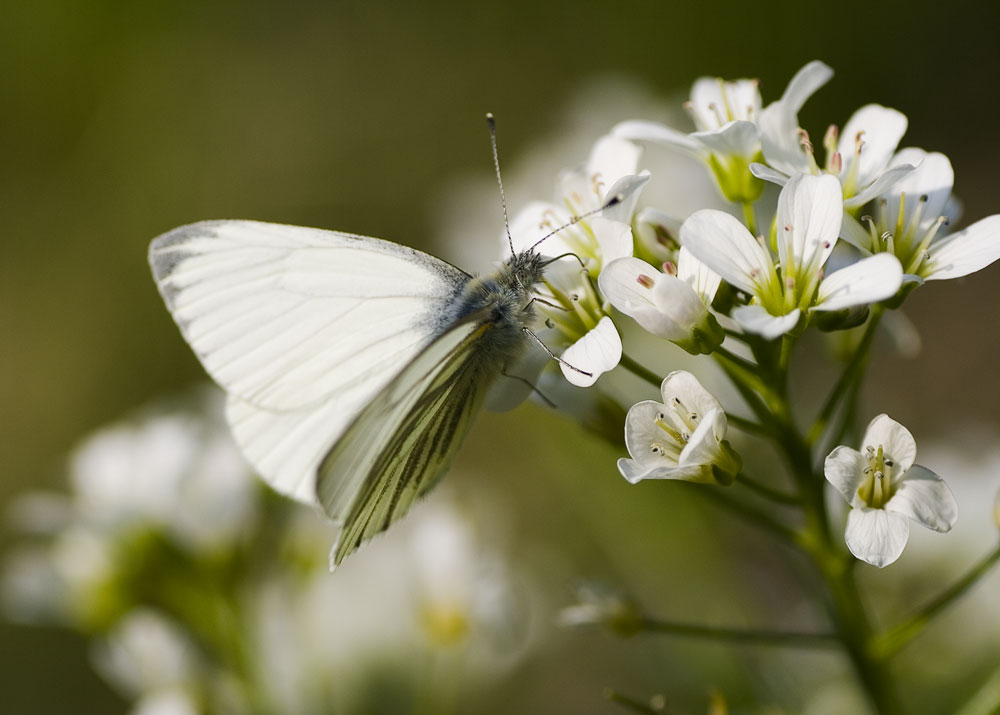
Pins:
x: 120, y: 120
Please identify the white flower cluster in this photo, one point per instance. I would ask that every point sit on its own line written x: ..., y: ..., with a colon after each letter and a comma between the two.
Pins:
x: 205, y: 593
x: 850, y: 236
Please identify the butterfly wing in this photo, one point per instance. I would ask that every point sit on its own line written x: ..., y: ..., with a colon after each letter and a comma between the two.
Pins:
x: 302, y: 327
x: 405, y: 439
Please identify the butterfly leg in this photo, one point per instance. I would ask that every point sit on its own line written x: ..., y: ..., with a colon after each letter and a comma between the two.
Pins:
x: 530, y: 384
x: 554, y: 356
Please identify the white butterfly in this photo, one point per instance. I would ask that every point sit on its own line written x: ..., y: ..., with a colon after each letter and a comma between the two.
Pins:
x: 353, y: 366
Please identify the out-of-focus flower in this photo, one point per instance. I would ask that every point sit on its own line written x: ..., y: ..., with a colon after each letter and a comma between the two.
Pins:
x: 672, y: 305
x: 729, y: 120
x: 809, y: 217
x: 684, y: 437
x: 596, y: 604
x: 151, y: 659
x: 431, y: 591
x: 174, y: 470
x: 911, y: 221
x: 885, y: 488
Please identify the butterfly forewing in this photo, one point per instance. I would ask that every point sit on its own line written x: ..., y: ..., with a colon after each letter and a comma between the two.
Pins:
x: 399, y: 446
x: 302, y: 327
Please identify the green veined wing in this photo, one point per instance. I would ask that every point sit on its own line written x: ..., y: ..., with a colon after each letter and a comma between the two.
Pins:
x: 405, y: 439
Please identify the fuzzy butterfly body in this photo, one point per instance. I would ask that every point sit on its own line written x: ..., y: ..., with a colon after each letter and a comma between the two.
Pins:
x: 353, y: 366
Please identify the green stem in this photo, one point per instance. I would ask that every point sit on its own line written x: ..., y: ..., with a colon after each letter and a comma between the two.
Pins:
x: 852, y: 373
x: 749, y: 514
x: 741, y: 635
x: 640, y: 371
x: 750, y: 217
x: 774, y: 495
x: 630, y: 703
x: 896, y: 638
x: 847, y: 609
x: 986, y: 700
x: 746, y: 425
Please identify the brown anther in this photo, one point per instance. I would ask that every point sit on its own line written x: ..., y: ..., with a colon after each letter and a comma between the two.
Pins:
x: 836, y: 162
x: 645, y: 281
x: 669, y: 268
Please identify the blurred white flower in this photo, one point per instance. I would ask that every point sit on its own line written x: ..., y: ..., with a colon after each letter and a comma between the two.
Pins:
x: 684, y: 437
x: 431, y: 592
x: 597, y: 604
x: 146, y: 653
x: 809, y: 218
x: 885, y: 489
x: 175, y: 470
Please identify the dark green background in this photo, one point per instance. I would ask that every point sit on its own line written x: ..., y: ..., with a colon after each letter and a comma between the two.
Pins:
x: 119, y: 120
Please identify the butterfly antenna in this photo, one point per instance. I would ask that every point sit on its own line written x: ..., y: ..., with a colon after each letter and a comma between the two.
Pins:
x: 613, y: 201
x: 492, y: 124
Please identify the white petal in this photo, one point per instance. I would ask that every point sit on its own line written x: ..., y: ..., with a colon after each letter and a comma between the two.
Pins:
x: 886, y: 181
x: 641, y: 431
x: 766, y: 173
x: 685, y: 387
x: 635, y: 472
x: 895, y: 440
x: 868, y: 281
x: 779, y: 122
x: 619, y: 282
x: 613, y: 158
x: 654, y: 310
x: 536, y: 220
x: 703, y: 279
x: 881, y: 129
x: 804, y: 84
x: 755, y: 319
x: 844, y: 469
x: 596, y: 352
x: 967, y: 251
x: 933, y: 177
x: 725, y: 245
x: 739, y: 138
x: 924, y: 497
x: 852, y: 231
x: 714, y: 101
x: 613, y: 237
x: 627, y: 189
x: 809, y: 214
x: 659, y: 134
x: 780, y: 141
x: 703, y: 447
x: 875, y: 535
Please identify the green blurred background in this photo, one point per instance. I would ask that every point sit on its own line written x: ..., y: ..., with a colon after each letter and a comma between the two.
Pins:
x: 120, y: 120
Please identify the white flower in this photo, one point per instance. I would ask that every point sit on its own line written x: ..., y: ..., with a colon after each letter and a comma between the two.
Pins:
x: 177, y: 470
x: 911, y: 221
x: 597, y: 604
x: 858, y: 156
x: 672, y: 305
x: 681, y: 438
x: 577, y: 315
x: 727, y: 116
x: 146, y: 653
x: 885, y: 488
x: 808, y: 222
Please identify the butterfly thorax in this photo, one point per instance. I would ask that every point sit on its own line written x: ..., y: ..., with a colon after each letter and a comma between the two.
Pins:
x: 503, y: 302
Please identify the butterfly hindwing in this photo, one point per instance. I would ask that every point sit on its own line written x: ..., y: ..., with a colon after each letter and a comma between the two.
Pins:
x: 401, y: 444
